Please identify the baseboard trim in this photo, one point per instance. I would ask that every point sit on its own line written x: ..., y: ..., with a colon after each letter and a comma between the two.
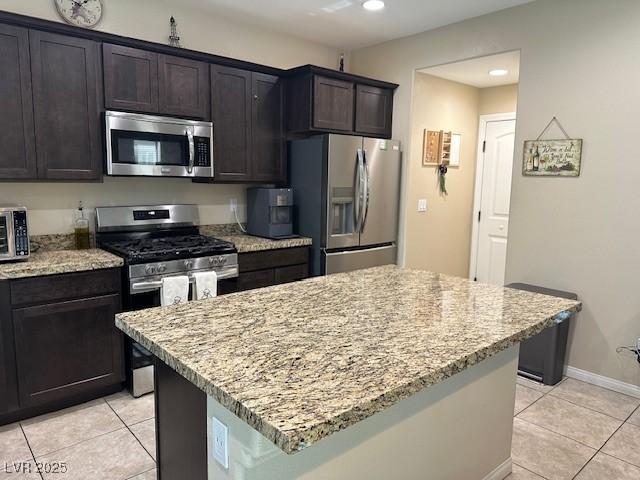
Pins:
x: 501, y: 472
x: 602, y: 381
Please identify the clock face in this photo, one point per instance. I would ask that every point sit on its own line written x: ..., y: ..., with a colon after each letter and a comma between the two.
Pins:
x: 82, y: 13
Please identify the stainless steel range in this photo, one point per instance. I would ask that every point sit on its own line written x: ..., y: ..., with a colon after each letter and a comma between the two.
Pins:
x: 156, y: 242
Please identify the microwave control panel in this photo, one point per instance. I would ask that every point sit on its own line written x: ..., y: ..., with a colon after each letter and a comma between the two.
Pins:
x: 203, y: 151
x: 20, y: 234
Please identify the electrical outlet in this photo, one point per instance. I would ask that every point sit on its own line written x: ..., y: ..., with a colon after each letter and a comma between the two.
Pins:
x: 233, y: 204
x: 422, y: 205
x: 220, y: 443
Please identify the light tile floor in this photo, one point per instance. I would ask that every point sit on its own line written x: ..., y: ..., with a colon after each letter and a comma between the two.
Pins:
x: 571, y: 431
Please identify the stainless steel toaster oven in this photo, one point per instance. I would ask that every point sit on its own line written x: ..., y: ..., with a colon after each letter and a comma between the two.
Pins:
x: 14, y: 235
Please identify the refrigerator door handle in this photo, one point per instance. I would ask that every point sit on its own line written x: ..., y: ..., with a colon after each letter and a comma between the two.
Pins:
x: 359, y: 191
x: 367, y: 190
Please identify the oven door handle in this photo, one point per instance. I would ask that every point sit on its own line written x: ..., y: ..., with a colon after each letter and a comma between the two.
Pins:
x: 192, y: 150
x: 231, y: 272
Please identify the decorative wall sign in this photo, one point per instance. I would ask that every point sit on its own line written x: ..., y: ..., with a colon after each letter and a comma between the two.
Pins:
x: 440, y: 148
x: 558, y: 158
x: 431, y: 149
x: 552, y: 158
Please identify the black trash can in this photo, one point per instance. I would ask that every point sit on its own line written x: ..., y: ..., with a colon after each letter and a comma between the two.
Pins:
x: 542, y: 356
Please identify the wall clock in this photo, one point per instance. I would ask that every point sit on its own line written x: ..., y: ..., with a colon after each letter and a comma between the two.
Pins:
x: 81, y: 13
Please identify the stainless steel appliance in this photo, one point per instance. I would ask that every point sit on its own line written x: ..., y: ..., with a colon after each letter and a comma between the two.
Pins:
x: 347, y: 195
x: 156, y: 242
x: 147, y: 145
x: 14, y: 233
x: 269, y: 212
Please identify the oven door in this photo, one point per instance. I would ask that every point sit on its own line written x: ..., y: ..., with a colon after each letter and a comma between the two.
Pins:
x: 145, y: 145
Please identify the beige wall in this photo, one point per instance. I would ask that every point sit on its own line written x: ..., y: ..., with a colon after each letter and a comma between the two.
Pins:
x: 440, y: 238
x: 578, y: 234
x: 52, y: 204
x: 503, y: 99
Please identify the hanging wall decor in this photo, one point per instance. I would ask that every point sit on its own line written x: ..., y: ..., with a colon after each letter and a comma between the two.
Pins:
x: 552, y: 158
x: 440, y: 148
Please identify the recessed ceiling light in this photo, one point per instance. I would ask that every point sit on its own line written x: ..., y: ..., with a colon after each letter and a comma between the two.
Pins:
x: 373, y: 5
x: 498, y: 72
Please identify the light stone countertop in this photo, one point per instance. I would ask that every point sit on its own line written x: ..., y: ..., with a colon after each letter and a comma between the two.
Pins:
x: 249, y: 243
x: 52, y: 262
x: 300, y: 361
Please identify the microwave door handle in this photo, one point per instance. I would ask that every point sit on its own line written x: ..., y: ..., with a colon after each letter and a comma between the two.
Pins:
x: 192, y: 150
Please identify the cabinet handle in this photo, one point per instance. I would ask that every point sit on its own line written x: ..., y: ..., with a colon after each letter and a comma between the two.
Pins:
x: 255, y: 97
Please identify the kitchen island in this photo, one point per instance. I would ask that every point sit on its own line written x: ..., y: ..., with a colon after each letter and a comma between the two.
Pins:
x: 378, y: 373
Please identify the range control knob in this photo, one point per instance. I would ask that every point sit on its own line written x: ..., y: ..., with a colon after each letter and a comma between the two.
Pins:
x: 150, y: 269
x: 188, y: 263
x: 162, y: 268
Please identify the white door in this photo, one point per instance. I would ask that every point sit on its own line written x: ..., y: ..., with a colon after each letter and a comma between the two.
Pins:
x: 493, y: 216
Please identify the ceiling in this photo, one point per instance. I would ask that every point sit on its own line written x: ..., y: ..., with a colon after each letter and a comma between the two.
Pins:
x: 475, y: 72
x: 344, y: 23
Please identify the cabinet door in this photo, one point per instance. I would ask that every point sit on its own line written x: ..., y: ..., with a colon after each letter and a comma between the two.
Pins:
x: 130, y: 79
x: 67, y: 348
x: 374, y: 108
x: 66, y: 104
x: 231, y: 112
x: 183, y: 87
x: 332, y: 104
x: 268, y: 163
x: 17, y: 142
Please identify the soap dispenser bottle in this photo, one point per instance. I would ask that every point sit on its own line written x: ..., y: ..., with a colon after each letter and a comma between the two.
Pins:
x: 82, y: 230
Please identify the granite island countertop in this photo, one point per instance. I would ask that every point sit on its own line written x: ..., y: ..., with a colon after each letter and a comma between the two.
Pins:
x: 52, y: 262
x: 300, y: 361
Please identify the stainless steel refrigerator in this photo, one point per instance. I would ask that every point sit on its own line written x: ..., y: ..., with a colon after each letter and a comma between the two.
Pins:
x: 346, y: 197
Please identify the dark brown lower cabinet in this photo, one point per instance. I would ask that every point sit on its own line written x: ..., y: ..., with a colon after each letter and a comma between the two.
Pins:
x: 272, y: 267
x: 65, y: 348
x: 60, y: 347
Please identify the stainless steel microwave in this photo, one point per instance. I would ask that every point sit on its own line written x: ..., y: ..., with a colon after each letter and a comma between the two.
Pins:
x: 153, y: 146
x: 14, y: 236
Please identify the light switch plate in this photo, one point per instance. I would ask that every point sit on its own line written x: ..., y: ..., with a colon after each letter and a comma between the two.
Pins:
x: 422, y: 205
x: 220, y: 442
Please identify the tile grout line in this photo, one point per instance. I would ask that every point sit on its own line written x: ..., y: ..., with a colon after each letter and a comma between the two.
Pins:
x: 592, y: 409
x: 134, y: 435
x: 605, y: 443
x: 530, y: 471
x: 129, y: 478
x: 30, y: 449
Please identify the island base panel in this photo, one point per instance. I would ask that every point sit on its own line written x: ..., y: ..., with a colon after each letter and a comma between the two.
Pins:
x: 459, y: 429
x: 181, y: 421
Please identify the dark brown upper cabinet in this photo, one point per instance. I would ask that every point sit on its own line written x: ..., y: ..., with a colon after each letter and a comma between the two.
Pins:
x: 332, y: 104
x: 183, y: 87
x: 17, y: 142
x: 130, y: 79
x: 374, y: 107
x: 268, y: 159
x: 147, y: 82
x: 248, y: 123
x: 322, y: 100
x: 66, y: 103
x: 231, y: 112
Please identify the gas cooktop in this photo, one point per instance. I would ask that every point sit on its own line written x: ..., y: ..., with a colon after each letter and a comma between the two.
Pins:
x: 174, y: 247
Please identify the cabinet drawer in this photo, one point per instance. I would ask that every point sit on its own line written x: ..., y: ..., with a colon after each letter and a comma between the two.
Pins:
x: 292, y: 273
x: 273, y: 258
x: 67, y: 348
x: 259, y: 279
x: 64, y: 287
